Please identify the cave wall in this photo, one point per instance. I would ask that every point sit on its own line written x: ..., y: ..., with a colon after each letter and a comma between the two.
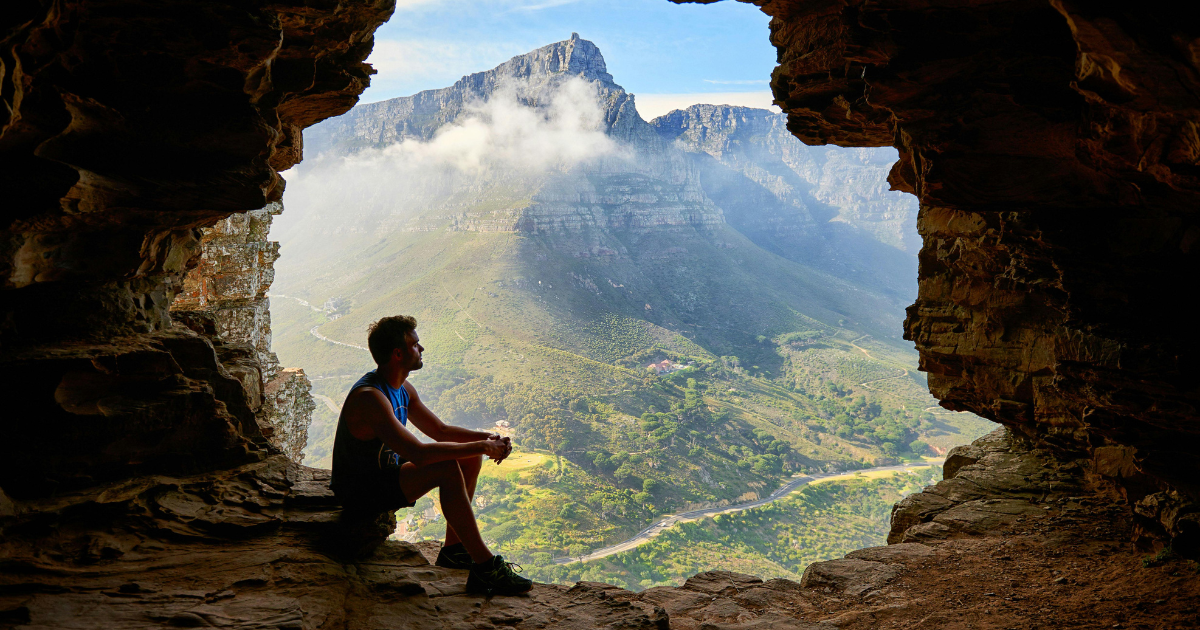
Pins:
x: 1054, y: 147
x: 127, y: 129
x: 224, y: 298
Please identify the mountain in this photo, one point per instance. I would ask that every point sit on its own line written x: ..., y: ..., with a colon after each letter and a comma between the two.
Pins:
x: 827, y: 207
x: 553, y: 245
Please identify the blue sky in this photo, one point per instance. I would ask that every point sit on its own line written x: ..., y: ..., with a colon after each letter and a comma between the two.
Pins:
x: 669, y: 55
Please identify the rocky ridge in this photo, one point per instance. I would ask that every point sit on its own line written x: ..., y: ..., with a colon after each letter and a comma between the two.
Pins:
x: 828, y: 208
x: 655, y: 187
x: 695, y: 168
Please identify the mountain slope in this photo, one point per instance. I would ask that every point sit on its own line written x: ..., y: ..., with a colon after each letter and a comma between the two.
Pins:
x: 826, y: 207
x: 552, y: 245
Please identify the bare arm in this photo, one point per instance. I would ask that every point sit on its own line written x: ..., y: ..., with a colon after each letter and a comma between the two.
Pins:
x: 371, y: 415
x: 431, y: 425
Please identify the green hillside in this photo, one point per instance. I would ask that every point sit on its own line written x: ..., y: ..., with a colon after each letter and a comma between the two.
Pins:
x: 820, y: 522
x: 786, y: 372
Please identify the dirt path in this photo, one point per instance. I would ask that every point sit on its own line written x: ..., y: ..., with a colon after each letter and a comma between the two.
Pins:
x: 867, y: 384
x: 668, y: 522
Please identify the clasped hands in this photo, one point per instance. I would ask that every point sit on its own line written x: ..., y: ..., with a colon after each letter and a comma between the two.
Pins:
x: 497, y: 447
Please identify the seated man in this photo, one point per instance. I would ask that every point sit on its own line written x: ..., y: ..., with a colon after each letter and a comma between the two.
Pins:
x: 379, y: 465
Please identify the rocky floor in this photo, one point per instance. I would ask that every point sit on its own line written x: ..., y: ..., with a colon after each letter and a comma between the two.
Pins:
x: 264, y: 546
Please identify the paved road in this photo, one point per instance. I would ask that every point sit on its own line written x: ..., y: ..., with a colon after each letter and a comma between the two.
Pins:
x: 670, y: 521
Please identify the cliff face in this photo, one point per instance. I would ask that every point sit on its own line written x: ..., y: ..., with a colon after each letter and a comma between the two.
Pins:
x: 1052, y: 146
x: 127, y: 128
x: 423, y: 114
x: 225, y: 298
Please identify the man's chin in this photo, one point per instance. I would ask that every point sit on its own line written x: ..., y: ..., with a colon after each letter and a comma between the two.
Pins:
x: 419, y: 365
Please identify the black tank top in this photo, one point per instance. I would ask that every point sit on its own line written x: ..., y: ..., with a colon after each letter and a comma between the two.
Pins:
x: 356, y: 460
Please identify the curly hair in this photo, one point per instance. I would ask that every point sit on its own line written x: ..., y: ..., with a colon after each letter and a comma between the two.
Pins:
x: 388, y: 334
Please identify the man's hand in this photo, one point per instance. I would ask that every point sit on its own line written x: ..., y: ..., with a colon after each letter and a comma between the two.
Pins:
x: 497, y: 448
x: 507, y: 443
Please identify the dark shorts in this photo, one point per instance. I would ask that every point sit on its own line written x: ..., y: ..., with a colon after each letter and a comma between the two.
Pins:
x: 378, y: 492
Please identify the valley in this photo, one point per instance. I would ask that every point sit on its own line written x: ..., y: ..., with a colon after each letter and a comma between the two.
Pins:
x: 770, y: 277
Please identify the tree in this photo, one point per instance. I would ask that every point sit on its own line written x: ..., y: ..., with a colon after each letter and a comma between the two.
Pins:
x: 623, y: 472
x: 651, y: 486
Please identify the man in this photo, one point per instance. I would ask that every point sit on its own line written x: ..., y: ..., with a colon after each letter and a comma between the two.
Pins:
x: 379, y: 465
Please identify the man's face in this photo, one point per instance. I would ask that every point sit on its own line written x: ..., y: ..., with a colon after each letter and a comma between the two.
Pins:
x: 410, y: 355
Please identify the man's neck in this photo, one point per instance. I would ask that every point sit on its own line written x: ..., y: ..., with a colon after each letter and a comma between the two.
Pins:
x: 393, y: 374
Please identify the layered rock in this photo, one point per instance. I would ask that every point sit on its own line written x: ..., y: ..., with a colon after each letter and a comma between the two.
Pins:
x: 1052, y: 146
x: 225, y: 297
x: 277, y: 552
x: 257, y: 546
x: 125, y: 133
x: 809, y: 185
x: 121, y: 155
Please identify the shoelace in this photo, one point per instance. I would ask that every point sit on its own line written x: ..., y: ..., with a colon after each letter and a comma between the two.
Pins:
x: 507, y: 568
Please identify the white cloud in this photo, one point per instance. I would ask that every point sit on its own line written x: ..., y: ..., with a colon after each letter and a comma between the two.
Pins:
x: 654, y: 105
x: 497, y: 140
x: 404, y: 5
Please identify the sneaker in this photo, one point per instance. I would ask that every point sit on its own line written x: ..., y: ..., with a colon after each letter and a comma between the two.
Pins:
x: 496, y: 577
x: 454, y: 557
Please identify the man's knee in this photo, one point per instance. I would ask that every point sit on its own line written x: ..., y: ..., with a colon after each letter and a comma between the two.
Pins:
x: 444, y: 470
x: 474, y: 461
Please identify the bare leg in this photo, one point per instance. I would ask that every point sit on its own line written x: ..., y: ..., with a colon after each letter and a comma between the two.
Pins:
x: 470, y: 469
x: 447, y: 476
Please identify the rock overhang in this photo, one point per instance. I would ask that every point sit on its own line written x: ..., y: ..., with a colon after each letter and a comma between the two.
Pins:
x: 1058, y: 211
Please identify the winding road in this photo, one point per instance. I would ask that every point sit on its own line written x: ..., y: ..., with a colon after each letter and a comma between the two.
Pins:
x: 668, y: 522
x: 313, y: 331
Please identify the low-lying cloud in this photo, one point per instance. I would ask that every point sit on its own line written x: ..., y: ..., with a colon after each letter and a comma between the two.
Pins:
x: 522, y: 131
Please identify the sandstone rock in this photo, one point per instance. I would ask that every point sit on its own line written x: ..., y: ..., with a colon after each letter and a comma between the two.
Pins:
x: 986, y: 515
x: 226, y: 116
x: 224, y: 297
x: 262, y: 545
x: 1002, y: 482
x: 849, y: 576
x: 902, y: 553
x: 923, y: 533
x: 915, y: 509
x: 968, y: 454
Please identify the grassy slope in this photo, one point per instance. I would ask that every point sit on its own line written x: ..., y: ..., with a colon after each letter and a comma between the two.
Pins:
x: 519, y: 328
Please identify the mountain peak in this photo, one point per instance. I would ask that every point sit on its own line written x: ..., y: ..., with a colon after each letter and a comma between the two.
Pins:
x: 574, y: 56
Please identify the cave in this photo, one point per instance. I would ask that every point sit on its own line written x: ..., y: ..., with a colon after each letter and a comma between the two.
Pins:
x: 148, y: 458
